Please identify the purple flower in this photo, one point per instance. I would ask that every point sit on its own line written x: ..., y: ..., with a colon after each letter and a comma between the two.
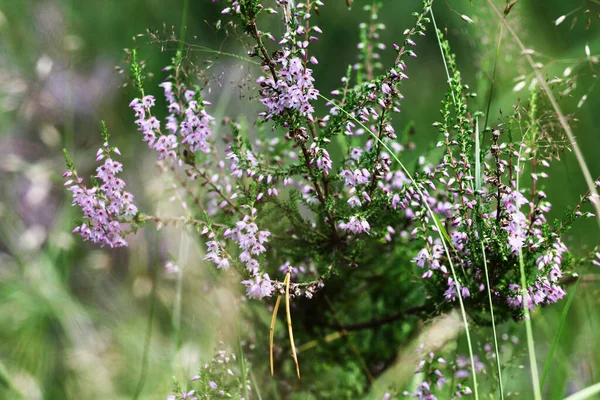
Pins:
x: 355, y: 225
x: 324, y: 162
x: 292, y: 90
x: 171, y: 268
x: 185, y: 395
x: 187, y: 118
x: 515, y: 242
x: 258, y: 287
x: 106, y: 208
x: 354, y: 201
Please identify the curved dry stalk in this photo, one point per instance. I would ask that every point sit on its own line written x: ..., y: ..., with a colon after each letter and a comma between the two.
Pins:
x: 286, y: 282
x: 561, y: 117
x: 289, y: 321
x: 272, y: 329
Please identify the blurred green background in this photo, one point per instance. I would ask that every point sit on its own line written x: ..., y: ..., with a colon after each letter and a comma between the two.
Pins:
x: 73, y: 317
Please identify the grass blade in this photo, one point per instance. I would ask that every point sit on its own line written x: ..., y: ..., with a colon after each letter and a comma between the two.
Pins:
x: 7, y: 382
x: 586, y: 393
x: 561, y: 326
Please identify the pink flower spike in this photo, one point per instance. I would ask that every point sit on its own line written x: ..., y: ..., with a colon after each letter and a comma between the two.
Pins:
x: 188, y: 394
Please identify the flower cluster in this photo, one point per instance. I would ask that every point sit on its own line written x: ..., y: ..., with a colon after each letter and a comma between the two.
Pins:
x: 492, y: 225
x: 149, y: 125
x: 187, y: 114
x: 188, y: 123
x: 435, y: 371
x: 106, y: 207
x: 291, y: 89
x: 288, y: 87
x: 251, y: 241
x: 222, y: 377
x: 546, y: 289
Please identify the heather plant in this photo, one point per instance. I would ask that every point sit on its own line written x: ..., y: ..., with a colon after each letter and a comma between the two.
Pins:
x: 325, y: 203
